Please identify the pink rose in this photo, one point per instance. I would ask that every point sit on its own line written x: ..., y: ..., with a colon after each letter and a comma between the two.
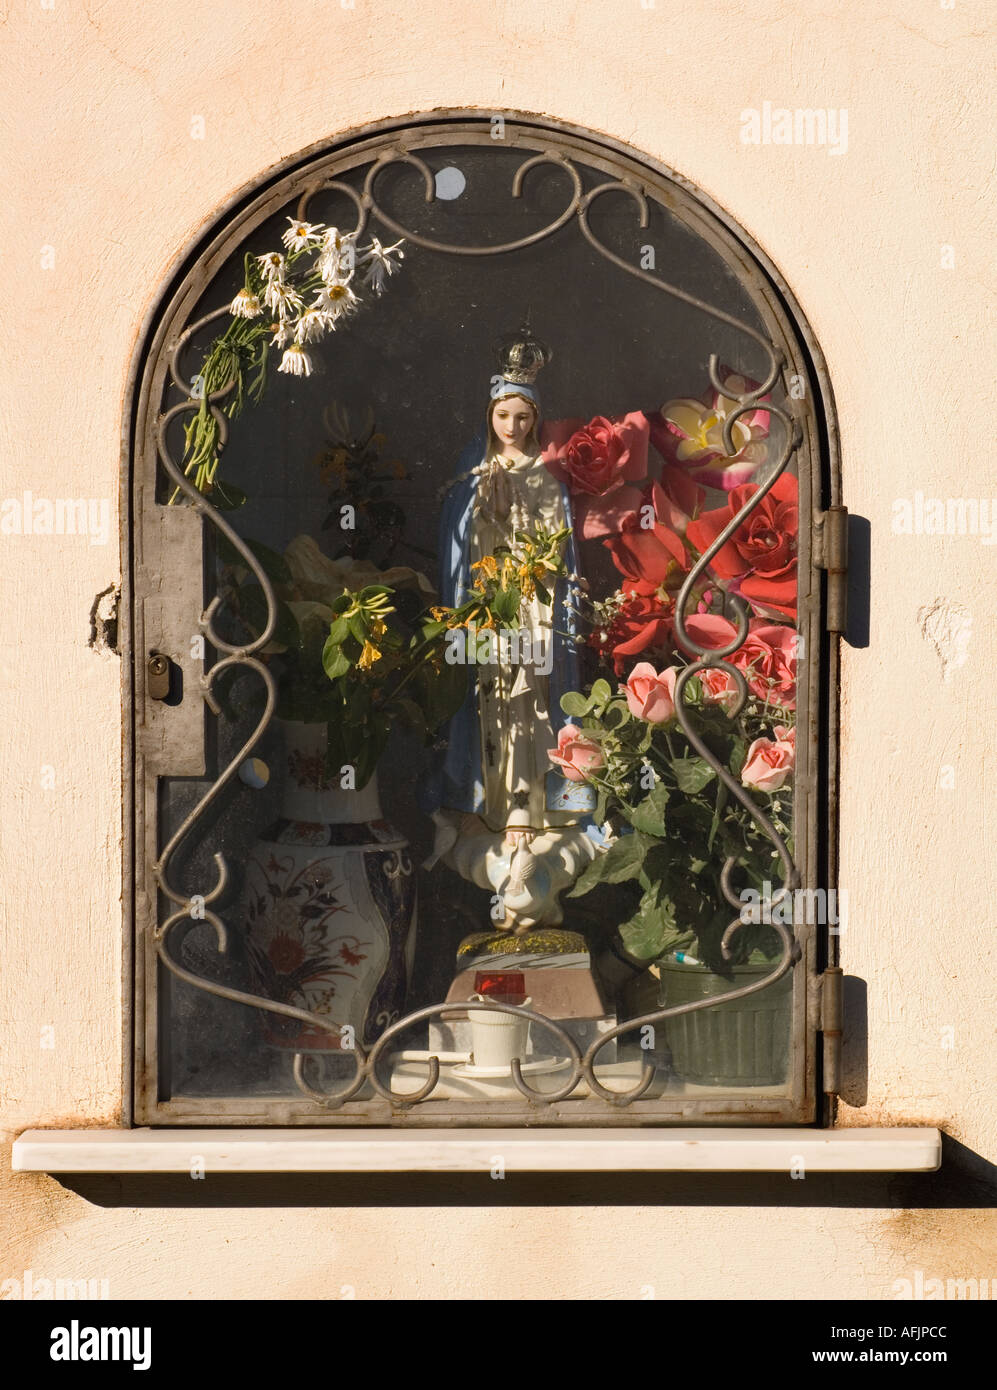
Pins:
x: 575, y: 754
x: 767, y: 656
x: 602, y: 455
x: 651, y: 695
x: 718, y: 687
x: 769, y: 763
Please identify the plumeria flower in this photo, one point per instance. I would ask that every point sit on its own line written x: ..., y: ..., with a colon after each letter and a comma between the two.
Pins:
x: 296, y: 361
x: 689, y: 433
x: 379, y: 263
x: 300, y: 235
x: 337, y: 300
x: 245, y: 305
x: 272, y: 265
x: 312, y: 324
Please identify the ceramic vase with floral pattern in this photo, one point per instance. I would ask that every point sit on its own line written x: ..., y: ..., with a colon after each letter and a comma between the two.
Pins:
x: 329, y: 905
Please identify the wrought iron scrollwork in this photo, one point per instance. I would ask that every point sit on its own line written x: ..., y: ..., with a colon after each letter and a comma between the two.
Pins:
x: 366, y: 1063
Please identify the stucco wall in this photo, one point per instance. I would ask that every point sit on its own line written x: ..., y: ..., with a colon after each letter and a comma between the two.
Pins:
x: 105, y: 182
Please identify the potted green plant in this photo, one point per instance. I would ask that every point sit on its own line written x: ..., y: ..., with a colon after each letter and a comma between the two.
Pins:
x: 676, y: 826
x: 329, y: 893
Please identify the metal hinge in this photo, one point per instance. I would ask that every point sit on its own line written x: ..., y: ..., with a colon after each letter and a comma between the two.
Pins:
x: 831, y: 1024
x: 831, y: 551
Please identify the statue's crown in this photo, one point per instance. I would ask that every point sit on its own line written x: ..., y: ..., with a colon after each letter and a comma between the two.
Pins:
x: 521, y: 355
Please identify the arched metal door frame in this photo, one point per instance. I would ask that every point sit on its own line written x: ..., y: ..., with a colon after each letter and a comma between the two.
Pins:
x: 168, y: 552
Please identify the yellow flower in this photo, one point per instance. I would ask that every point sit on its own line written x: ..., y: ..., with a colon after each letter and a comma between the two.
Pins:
x: 368, y: 656
x: 378, y: 629
x: 488, y: 566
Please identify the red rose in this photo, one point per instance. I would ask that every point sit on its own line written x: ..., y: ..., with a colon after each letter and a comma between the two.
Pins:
x: 648, y: 546
x: 760, y: 560
x: 643, y: 623
x: 600, y: 456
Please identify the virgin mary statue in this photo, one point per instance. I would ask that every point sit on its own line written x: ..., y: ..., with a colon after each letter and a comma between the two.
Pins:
x: 505, y: 817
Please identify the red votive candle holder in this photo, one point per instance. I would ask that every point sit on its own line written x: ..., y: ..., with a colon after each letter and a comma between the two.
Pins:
x: 504, y: 986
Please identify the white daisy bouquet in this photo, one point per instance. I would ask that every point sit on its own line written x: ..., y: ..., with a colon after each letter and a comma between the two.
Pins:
x: 290, y: 300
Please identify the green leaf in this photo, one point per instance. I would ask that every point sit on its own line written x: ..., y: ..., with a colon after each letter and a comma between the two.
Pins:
x: 427, y: 629
x: 738, y: 755
x: 649, y: 815
x: 621, y: 862
x: 439, y: 694
x: 335, y: 662
x: 615, y: 716
x: 692, y: 774
x: 339, y: 630
x: 575, y: 704
x: 600, y: 692
x: 692, y: 692
x: 505, y: 604
x: 653, y: 929
x: 718, y: 808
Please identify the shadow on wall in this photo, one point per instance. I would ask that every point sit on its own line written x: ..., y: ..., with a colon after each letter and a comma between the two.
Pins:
x: 965, y: 1180
x: 855, y: 1042
x: 859, y: 571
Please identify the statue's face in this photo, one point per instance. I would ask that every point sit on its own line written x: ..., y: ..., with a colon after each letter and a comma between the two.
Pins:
x: 512, y: 420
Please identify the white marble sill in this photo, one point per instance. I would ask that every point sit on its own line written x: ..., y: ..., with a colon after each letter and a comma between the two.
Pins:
x: 478, y: 1151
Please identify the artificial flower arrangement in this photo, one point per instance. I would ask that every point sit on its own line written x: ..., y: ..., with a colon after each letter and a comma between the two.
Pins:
x: 361, y: 649
x: 674, y: 819
x: 385, y: 663
x: 312, y: 592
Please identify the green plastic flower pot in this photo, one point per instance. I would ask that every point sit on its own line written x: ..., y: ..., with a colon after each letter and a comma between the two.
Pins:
x: 744, y: 1043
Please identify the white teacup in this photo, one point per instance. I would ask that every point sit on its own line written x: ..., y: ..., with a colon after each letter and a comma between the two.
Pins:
x: 498, y: 1037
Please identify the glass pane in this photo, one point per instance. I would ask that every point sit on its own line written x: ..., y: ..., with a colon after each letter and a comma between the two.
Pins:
x: 477, y: 508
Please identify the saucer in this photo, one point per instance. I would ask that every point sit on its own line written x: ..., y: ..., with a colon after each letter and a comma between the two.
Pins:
x: 542, y: 1067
